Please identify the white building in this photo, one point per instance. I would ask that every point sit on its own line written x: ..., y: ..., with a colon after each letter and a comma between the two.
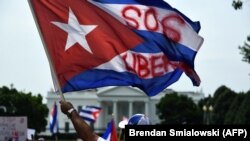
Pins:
x: 116, y: 101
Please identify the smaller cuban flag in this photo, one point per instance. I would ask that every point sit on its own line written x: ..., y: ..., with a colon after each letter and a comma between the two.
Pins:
x: 15, y: 136
x: 90, y: 113
x: 53, y: 122
x: 110, y: 133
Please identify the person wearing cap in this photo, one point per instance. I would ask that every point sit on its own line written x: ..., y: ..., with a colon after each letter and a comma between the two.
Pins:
x: 84, y: 131
x: 139, y: 119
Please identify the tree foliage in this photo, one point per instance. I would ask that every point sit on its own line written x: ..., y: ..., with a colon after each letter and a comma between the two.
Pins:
x: 178, y: 109
x: 222, y: 102
x: 245, y: 50
x: 229, y: 107
x: 243, y: 114
x: 234, y: 109
x: 237, y: 4
x: 24, y: 104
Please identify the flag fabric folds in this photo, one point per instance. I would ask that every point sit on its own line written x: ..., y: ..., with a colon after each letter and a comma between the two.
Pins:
x: 53, y: 120
x: 96, y: 43
x: 90, y: 113
x: 110, y: 134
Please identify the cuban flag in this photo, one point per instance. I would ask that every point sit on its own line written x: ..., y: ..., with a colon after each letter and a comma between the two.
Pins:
x: 53, y: 121
x: 15, y: 136
x: 90, y: 113
x: 95, y: 43
x: 110, y: 134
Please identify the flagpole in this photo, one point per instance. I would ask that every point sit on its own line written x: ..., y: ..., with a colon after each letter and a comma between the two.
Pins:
x: 120, y: 134
x: 55, y: 79
x: 56, y: 137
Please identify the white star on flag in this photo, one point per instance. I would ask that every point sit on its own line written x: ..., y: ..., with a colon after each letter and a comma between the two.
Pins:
x: 76, y: 33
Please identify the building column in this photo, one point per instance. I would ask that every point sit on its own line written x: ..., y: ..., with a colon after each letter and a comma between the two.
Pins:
x: 146, y: 108
x: 130, y: 110
x: 115, y: 111
x: 101, y: 117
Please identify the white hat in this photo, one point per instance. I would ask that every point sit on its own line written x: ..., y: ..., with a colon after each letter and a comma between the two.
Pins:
x: 41, y: 139
x: 139, y: 119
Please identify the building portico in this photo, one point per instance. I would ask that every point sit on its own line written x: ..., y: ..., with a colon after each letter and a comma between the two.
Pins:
x: 121, y: 103
x: 116, y: 102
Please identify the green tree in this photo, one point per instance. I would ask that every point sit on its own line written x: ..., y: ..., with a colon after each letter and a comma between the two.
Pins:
x: 223, y: 98
x: 24, y: 104
x: 206, y: 101
x: 234, y: 109
x: 247, y: 107
x: 243, y: 114
x: 220, y: 90
x: 237, y: 4
x: 178, y: 109
x: 245, y: 50
x: 229, y: 107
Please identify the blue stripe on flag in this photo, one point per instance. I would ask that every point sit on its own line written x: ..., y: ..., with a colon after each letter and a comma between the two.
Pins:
x: 86, y: 111
x: 151, y: 86
x: 88, y: 119
x: 110, y: 133
x: 89, y: 112
x: 156, y: 42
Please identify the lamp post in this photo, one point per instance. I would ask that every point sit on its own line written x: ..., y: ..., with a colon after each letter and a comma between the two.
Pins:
x: 204, y: 108
x: 4, y: 109
x: 210, y: 109
x: 207, y: 113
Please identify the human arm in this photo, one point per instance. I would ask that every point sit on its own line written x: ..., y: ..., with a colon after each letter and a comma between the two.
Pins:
x: 82, y: 128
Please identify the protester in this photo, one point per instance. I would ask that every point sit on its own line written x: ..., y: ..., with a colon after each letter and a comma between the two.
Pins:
x: 139, y: 119
x: 84, y: 131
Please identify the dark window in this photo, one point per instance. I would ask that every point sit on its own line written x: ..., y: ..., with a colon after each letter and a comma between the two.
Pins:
x: 66, y: 127
x: 79, y: 108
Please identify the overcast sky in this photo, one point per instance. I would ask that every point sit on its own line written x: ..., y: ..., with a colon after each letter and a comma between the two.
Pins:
x: 23, y: 61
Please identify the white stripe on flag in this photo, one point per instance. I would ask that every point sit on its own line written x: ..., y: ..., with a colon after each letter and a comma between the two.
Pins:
x: 189, y: 38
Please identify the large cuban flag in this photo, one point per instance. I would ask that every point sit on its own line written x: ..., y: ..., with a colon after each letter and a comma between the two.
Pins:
x: 95, y: 43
